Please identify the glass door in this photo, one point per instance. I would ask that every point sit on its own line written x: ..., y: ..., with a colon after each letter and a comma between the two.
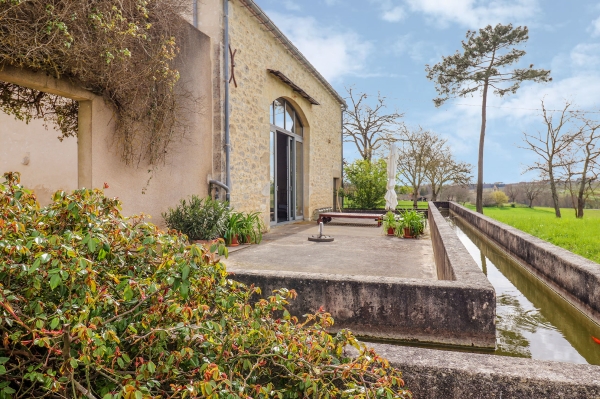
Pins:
x: 286, y: 179
x: 291, y: 179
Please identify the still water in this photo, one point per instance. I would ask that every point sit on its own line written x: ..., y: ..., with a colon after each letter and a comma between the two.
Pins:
x: 532, y: 320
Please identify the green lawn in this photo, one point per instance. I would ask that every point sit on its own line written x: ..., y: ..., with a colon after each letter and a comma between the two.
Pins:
x: 401, y: 204
x: 581, y: 236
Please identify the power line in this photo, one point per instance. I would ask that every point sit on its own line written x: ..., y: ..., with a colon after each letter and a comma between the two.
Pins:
x: 533, y: 109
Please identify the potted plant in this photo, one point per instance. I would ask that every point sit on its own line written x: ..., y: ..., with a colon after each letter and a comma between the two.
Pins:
x: 413, y: 224
x: 233, y: 229
x: 389, y: 223
x: 251, y: 228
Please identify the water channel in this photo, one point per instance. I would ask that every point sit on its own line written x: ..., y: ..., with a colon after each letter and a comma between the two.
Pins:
x: 531, y: 319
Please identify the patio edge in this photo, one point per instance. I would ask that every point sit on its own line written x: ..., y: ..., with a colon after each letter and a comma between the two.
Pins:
x: 458, y: 312
x: 432, y: 373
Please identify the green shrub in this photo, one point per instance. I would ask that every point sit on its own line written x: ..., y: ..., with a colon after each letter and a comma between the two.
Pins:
x: 368, y: 181
x: 199, y: 218
x: 100, y: 306
x: 499, y: 198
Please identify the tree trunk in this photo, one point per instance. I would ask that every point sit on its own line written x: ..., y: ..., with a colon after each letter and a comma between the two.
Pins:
x: 580, y: 199
x: 415, y: 196
x: 553, y: 191
x: 479, y: 200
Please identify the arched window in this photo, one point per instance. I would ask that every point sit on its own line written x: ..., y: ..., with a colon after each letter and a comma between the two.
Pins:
x: 284, y: 116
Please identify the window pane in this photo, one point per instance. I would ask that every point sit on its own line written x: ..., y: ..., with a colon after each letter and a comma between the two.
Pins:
x: 289, y: 117
x: 272, y: 177
x: 299, y: 181
x: 297, y: 126
x: 271, y: 114
x: 279, y: 114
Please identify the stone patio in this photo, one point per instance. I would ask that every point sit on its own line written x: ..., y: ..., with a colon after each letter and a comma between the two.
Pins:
x: 356, y: 251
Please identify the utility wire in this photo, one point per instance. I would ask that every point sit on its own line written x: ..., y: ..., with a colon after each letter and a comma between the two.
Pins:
x: 533, y: 109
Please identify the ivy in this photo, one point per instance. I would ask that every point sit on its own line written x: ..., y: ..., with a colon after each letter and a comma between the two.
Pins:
x: 95, y: 305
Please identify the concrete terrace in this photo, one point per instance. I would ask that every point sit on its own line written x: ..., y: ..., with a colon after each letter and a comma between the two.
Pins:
x: 356, y: 251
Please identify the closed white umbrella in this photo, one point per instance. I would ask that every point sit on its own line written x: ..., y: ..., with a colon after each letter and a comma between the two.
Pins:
x: 391, y: 199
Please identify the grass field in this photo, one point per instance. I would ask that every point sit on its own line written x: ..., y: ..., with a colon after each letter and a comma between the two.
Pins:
x: 401, y: 204
x: 581, y: 236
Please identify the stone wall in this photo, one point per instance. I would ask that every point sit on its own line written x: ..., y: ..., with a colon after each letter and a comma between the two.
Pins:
x: 455, y: 375
x: 257, y: 51
x: 575, y: 278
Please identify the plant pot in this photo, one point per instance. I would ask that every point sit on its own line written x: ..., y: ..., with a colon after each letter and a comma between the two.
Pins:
x: 248, y: 239
x: 390, y: 231
x: 234, y: 241
x: 408, y: 233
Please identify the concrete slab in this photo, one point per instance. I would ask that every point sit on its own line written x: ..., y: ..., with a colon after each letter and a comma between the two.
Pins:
x: 356, y: 251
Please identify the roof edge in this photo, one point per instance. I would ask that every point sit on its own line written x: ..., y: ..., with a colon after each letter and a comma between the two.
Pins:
x: 271, y: 27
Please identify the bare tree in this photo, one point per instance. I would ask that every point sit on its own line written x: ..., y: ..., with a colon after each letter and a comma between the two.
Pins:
x: 369, y: 127
x: 588, y: 142
x: 569, y: 174
x: 550, y: 145
x: 458, y: 193
x: 416, y: 157
x: 532, y: 190
x: 512, y: 191
x: 444, y: 169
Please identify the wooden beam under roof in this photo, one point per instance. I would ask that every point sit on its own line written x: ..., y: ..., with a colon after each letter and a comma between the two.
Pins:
x: 294, y: 86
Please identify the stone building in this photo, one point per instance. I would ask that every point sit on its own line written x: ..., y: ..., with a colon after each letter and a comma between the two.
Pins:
x: 281, y: 154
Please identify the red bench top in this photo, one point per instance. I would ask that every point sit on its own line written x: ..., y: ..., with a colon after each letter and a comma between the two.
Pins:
x: 350, y: 215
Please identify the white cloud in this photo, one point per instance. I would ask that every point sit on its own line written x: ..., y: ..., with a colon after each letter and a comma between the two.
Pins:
x: 332, y: 2
x: 291, y: 5
x: 586, y: 56
x: 476, y: 13
x: 334, y: 52
x: 390, y: 10
x: 594, y: 29
x: 420, y: 51
x: 395, y: 14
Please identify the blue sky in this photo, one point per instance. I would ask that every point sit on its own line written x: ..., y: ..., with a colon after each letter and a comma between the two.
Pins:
x: 383, y: 45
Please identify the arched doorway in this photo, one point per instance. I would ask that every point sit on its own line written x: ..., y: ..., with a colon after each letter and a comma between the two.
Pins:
x: 287, y: 169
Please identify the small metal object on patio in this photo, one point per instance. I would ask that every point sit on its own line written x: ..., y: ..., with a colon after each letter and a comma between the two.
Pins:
x: 320, y: 237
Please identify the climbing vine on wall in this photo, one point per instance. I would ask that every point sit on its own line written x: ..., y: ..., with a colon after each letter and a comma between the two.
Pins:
x: 122, y: 50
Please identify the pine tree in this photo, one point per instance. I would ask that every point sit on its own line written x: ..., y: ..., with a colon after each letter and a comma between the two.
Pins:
x: 484, y: 63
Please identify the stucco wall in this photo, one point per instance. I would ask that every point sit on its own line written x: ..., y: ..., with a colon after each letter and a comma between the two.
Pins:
x: 257, y: 51
x: 46, y: 164
x: 187, y: 165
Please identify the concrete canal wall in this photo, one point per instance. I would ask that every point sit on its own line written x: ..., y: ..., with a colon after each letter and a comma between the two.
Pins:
x: 575, y: 278
x: 442, y: 374
x: 457, y: 309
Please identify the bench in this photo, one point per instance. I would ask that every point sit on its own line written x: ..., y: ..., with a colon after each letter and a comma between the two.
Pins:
x: 326, y: 217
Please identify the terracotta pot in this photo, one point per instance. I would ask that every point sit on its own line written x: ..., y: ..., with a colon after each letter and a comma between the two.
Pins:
x: 390, y: 231
x: 234, y: 241
x: 408, y: 233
